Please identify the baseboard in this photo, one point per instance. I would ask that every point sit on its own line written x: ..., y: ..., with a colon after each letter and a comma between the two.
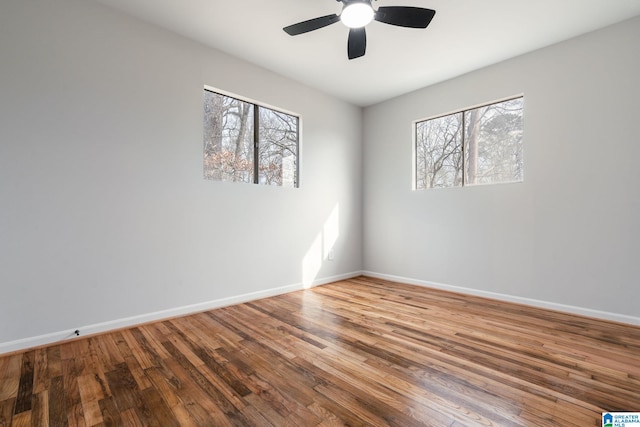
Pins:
x: 98, y: 328
x: 614, y: 317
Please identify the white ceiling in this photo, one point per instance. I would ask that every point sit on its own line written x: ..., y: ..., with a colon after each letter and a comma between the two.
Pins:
x: 464, y: 35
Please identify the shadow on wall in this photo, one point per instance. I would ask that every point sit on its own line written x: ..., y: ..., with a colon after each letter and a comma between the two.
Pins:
x: 321, y: 248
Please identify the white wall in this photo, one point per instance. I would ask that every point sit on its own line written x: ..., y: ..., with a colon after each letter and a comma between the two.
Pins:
x: 570, y: 234
x: 104, y: 214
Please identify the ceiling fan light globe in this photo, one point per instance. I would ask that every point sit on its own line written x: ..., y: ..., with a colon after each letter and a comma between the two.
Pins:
x: 357, y: 15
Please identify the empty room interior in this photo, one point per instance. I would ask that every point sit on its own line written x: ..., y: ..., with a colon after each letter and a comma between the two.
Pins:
x: 350, y: 278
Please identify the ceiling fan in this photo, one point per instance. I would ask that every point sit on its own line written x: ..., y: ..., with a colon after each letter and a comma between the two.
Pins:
x: 358, y: 13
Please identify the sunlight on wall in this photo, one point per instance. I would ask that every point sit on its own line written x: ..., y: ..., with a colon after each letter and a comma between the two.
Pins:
x: 312, y: 262
x: 331, y: 231
x: 321, y: 248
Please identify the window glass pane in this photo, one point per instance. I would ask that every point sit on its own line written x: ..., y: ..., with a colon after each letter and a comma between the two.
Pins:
x: 493, y: 143
x: 278, y: 148
x: 228, y: 138
x: 439, y: 152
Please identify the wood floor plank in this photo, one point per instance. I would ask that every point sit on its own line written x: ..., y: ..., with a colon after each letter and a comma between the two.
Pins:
x: 145, y: 353
x: 25, y: 389
x: 91, y: 393
x: 40, y: 411
x: 72, y: 370
x: 199, y: 405
x: 54, y: 362
x: 137, y: 372
x: 6, y: 412
x: 111, y: 356
x: 147, y: 336
x: 10, y: 367
x: 41, y: 365
x: 358, y: 352
x: 57, y: 403
x: 267, y: 412
x: 130, y: 418
x: 171, y: 397
x: 126, y: 394
x: 217, y: 397
x: 110, y: 413
x: 159, y: 413
x: 23, y: 419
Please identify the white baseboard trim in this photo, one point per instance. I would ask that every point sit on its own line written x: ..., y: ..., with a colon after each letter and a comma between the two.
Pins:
x: 98, y: 328
x: 587, y: 312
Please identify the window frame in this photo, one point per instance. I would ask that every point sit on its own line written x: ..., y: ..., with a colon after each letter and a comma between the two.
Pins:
x: 463, y: 153
x: 256, y: 135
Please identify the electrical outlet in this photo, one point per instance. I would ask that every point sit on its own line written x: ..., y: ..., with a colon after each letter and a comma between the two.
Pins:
x: 330, y: 255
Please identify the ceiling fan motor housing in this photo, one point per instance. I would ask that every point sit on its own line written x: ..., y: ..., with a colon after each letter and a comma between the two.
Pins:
x: 357, y: 13
x: 346, y: 2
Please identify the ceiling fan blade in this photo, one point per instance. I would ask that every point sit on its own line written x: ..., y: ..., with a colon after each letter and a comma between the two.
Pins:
x: 311, y: 24
x: 357, y: 44
x: 405, y: 16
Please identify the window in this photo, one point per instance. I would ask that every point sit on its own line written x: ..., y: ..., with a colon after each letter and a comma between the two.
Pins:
x: 247, y: 142
x: 477, y: 146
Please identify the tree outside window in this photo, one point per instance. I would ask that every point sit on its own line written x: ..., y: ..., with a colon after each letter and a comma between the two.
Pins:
x: 246, y: 142
x: 482, y: 145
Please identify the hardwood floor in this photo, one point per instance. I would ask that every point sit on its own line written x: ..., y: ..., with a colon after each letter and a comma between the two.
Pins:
x: 361, y: 352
